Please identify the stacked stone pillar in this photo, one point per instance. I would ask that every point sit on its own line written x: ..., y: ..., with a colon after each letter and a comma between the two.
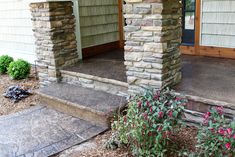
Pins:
x: 153, y: 36
x: 54, y: 30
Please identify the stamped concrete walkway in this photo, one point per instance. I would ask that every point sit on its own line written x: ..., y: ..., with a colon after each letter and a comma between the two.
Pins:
x: 41, y: 132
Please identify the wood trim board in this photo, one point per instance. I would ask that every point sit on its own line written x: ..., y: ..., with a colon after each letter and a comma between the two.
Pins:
x: 95, y: 50
x: 120, y: 23
x: 210, y: 51
x: 197, y: 26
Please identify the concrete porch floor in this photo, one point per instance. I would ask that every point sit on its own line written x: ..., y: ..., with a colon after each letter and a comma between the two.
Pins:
x: 210, y: 78
x: 107, y: 65
x: 206, y: 77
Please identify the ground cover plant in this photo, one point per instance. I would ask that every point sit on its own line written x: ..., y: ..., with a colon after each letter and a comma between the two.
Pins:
x: 149, y: 122
x: 216, y: 136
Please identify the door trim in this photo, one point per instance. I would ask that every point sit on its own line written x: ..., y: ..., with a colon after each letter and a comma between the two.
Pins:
x: 120, y: 24
x: 197, y: 27
x: 77, y: 28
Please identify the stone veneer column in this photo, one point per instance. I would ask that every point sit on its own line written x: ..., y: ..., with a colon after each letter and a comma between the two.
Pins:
x: 153, y: 36
x: 54, y: 30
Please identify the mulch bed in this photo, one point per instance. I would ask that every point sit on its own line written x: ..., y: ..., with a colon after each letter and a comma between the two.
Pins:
x: 6, y: 105
x: 185, y: 139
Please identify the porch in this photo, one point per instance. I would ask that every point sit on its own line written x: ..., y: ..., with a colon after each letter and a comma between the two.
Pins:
x: 209, y: 78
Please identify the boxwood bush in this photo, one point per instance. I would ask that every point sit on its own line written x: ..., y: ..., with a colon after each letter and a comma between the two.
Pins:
x: 19, y: 69
x: 5, y: 61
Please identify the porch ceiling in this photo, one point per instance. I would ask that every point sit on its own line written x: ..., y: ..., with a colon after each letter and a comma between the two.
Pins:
x: 210, y: 78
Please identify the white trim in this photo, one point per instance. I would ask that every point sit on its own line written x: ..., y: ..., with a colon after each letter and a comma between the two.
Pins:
x: 201, y: 12
x: 77, y: 28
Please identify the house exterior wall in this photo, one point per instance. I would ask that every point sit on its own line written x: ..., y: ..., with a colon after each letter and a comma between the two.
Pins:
x: 218, y: 23
x: 99, y: 22
x: 16, y: 35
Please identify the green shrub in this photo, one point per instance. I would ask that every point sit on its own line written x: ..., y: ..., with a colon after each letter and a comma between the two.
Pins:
x: 5, y: 61
x: 19, y: 69
x: 149, y: 122
x: 216, y: 136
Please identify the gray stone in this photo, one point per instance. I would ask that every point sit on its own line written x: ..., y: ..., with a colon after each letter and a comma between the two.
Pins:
x: 54, y: 30
x: 158, y: 39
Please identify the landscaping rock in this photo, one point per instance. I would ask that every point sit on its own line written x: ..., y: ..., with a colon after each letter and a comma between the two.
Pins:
x: 16, y: 93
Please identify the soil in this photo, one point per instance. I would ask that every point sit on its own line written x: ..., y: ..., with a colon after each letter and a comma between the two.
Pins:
x: 6, y: 105
x: 186, y: 139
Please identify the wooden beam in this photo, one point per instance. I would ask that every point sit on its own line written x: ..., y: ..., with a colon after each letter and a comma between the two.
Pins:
x: 217, y: 52
x: 99, y: 49
x: 187, y: 50
x: 197, y: 27
x: 120, y: 24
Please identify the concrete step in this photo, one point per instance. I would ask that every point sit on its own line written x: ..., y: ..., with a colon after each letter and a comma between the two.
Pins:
x: 87, y: 104
x: 95, y: 82
x: 198, y: 105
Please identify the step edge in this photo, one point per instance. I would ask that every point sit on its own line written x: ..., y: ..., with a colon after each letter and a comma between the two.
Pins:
x: 96, y: 78
x: 66, y: 102
x: 207, y: 101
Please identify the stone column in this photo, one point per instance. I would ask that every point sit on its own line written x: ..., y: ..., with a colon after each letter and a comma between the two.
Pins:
x: 153, y: 36
x: 54, y: 30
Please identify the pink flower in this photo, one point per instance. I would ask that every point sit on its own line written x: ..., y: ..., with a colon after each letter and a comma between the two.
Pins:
x: 170, y: 113
x: 150, y: 134
x: 125, y: 119
x: 221, y: 131
x: 145, y: 116
x: 228, y: 146
x: 166, y: 134
x: 229, y: 131
x: 178, y: 99
x: 160, y: 114
x: 151, y: 109
x: 148, y: 104
x: 220, y: 109
x: 234, y: 136
x: 207, y: 115
x: 139, y: 104
x: 156, y: 96
x: 212, y: 129
x: 159, y: 128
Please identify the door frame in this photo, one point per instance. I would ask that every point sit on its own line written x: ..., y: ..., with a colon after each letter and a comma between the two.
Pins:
x: 121, y: 24
x: 198, y: 49
x: 77, y: 28
x: 194, y: 49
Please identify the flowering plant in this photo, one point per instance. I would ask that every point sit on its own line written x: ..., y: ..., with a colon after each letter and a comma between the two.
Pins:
x: 216, y: 136
x: 149, y: 121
